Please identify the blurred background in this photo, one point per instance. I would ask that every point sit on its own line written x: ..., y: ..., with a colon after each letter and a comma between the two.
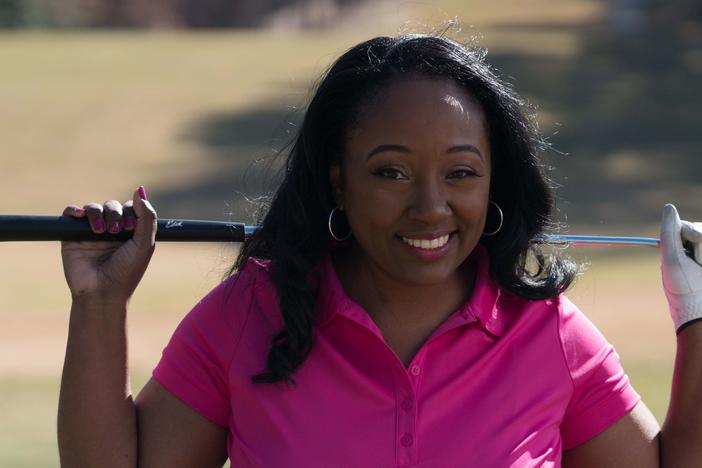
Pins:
x: 193, y: 99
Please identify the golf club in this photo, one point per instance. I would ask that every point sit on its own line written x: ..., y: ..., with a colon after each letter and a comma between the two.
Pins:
x: 20, y: 228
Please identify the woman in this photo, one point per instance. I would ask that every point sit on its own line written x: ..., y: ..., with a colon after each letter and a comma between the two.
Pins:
x: 385, y: 314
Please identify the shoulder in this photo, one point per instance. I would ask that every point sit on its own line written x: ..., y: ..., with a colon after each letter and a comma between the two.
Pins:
x: 560, y: 309
x: 555, y: 319
x: 254, y: 279
x: 577, y: 335
x: 224, y: 311
x: 517, y: 312
x: 255, y: 274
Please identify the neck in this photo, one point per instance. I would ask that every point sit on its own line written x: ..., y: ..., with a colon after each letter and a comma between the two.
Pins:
x: 390, y: 302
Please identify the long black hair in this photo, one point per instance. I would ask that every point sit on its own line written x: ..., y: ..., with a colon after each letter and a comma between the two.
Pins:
x: 294, y: 235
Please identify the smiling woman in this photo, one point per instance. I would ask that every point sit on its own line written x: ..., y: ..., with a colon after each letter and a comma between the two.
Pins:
x: 384, y: 314
x: 408, y: 137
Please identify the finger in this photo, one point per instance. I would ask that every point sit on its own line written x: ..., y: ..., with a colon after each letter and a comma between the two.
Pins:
x: 74, y: 211
x: 112, y: 210
x: 128, y: 216
x: 94, y: 213
x: 145, y: 229
x: 692, y: 232
x: 671, y: 242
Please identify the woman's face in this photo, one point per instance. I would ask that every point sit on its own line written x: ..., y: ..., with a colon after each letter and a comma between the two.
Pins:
x: 414, y: 181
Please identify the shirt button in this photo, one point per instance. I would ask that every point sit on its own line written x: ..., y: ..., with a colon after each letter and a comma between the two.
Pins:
x: 406, y: 404
x: 415, y: 370
x: 406, y: 440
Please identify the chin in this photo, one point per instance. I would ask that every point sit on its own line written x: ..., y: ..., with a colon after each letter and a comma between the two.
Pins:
x: 428, y: 275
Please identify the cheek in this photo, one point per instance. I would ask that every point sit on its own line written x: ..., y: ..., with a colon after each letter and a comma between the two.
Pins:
x: 372, y: 207
x: 474, y: 214
x: 472, y: 200
x: 482, y: 198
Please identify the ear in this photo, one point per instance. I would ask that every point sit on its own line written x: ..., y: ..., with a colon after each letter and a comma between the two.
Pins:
x: 336, y: 181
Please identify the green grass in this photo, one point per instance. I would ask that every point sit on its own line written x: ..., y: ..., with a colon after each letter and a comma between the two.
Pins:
x: 28, y: 422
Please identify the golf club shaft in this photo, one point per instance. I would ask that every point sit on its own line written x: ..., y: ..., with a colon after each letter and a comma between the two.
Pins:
x: 55, y: 228
x: 597, y: 241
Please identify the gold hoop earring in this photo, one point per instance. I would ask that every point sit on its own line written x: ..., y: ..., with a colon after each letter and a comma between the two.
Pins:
x: 502, y: 218
x: 331, y: 230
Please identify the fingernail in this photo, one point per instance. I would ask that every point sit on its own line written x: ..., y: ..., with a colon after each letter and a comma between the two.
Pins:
x: 100, y: 225
x: 128, y: 222
x: 142, y: 192
x: 79, y: 210
x: 114, y: 227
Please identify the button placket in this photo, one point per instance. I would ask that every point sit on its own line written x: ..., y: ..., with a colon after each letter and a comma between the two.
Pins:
x: 406, y: 431
x: 407, y: 409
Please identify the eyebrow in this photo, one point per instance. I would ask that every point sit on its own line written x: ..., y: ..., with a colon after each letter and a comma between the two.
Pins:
x: 405, y: 150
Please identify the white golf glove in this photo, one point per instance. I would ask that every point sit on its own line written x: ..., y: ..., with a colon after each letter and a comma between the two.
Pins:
x: 682, y: 276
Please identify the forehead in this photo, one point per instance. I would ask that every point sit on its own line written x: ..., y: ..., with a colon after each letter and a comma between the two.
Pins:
x: 422, y: 103
x: 422, y: 88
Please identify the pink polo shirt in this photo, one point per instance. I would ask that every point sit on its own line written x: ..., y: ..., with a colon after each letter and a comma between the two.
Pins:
x: 503, y: 382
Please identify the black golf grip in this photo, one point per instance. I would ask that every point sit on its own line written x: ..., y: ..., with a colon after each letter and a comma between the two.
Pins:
x: 56, y: 228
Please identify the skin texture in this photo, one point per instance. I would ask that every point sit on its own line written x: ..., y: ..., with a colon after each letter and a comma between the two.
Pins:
x: 434, y: 180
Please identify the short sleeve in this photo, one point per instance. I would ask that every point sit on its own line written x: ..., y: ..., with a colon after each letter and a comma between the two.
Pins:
x: 602, y: 393
x: 194, y: 365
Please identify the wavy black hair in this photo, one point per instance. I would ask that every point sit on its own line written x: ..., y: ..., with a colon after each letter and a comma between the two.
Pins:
x: 294, y: 235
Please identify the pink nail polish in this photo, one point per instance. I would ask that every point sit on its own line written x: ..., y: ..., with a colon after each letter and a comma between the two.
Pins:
x: 114, y: 227
x: 142, y: 192
x: 129, y: 223
x: 79, y: 210
x: 100, y: 225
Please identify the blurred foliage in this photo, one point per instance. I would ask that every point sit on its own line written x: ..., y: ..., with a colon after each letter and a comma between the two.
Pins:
x: 10, y: 13
x: 247, y: 13
x: 46, y: 13
x: 166, y: 13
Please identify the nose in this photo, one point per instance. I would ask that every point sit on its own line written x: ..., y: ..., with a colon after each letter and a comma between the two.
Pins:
x: 429, y: 204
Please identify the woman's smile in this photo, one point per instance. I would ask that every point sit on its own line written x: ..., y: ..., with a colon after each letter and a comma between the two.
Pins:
x: 428, y: 247
x: 427, y: 241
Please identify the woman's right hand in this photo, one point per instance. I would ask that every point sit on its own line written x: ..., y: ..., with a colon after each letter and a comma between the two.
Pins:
x: 110, y: 271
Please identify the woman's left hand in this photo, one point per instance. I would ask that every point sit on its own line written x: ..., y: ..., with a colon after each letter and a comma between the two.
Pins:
x: 682, y: 275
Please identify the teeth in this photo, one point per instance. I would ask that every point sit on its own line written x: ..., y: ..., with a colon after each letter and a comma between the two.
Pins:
x: 426, y: 243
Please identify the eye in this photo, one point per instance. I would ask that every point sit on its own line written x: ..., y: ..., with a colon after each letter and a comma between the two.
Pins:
x: 392, y: 173
x: 462, y: 174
